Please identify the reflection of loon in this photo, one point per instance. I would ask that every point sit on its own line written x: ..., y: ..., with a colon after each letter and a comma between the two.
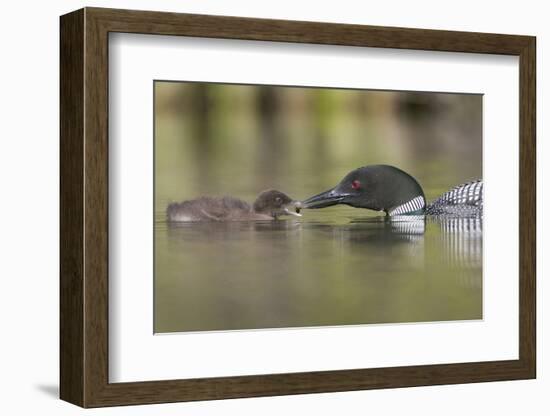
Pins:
x: 412, y: 225
x: 462, y: 240
x: 461, y: 237
x: 458, y: 243
x: 389, y: 189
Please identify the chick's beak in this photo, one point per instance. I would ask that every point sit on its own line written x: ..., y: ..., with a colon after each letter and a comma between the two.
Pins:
x: 293, y: 208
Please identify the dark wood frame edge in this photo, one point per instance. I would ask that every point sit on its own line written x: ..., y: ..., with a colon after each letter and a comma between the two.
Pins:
x: 84, y: 207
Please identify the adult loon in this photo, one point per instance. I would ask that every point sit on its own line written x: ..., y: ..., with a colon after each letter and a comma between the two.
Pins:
x: 269, y: 205
x: 389, y: 189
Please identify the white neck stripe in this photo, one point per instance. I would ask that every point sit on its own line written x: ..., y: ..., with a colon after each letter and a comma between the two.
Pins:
x: 410, y: 206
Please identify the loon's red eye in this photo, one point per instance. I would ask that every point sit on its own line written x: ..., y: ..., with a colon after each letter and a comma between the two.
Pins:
x: 356, y: 184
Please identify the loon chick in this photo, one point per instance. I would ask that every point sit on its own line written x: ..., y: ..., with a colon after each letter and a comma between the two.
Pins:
x: 389, y: 189
x: 269, y: 205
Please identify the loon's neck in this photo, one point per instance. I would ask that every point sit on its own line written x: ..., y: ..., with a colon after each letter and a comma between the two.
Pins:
x: 415, y: 206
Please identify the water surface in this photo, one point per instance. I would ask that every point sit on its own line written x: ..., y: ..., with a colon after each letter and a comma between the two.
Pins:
x: 329, y: 268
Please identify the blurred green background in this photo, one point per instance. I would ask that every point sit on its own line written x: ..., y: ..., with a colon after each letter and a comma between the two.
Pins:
x: 334, y: 266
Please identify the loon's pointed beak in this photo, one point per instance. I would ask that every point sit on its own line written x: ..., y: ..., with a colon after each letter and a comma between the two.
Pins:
x: 325, y: 199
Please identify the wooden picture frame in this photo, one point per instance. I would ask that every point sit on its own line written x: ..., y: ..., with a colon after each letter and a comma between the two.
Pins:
x: 84, y: 207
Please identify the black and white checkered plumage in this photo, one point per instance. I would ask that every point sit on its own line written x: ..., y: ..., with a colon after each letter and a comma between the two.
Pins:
x: 465, y: 199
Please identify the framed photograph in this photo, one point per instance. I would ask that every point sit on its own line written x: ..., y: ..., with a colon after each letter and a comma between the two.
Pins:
x: 255, y: 207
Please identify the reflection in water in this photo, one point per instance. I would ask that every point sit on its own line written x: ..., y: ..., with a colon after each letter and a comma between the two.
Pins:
x: 326, y: 270
x: 462, y: 242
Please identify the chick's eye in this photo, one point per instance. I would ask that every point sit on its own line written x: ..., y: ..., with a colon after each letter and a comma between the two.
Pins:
x: 278, y: 199
x: 356, y: 184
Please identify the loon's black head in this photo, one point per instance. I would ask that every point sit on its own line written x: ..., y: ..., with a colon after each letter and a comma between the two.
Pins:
x: 377, y: 187
x: 275, y: 204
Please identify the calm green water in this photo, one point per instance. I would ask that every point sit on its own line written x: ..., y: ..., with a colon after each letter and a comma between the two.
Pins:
x: 327, y: 269
x: 335, y: 266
